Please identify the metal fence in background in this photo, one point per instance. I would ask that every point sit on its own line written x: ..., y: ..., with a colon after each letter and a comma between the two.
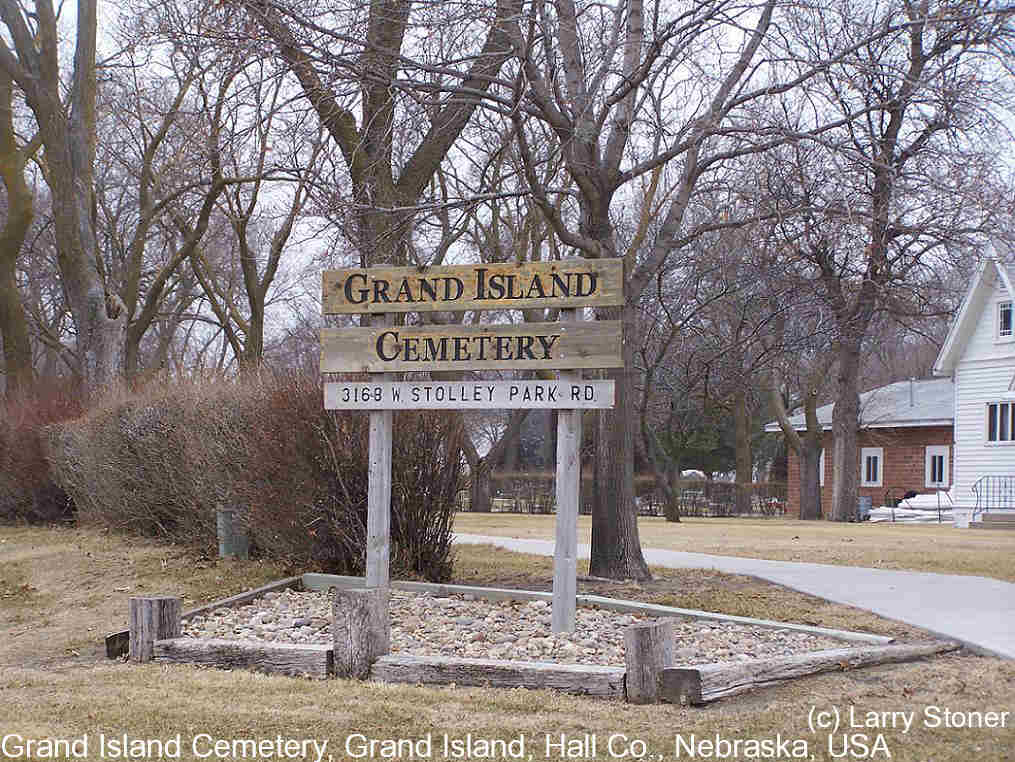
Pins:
x: 533, y: 492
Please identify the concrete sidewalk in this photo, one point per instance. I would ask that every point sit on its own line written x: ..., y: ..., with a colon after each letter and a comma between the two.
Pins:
x: 977, y: 611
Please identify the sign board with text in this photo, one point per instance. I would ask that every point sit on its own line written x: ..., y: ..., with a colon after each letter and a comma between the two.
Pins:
x: 521, y: 346
x: 467, y: 395
x: 567, y: 284
x: 569, y: 346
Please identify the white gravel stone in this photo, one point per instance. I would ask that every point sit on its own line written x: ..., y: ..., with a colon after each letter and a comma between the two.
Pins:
x: 463, y: 626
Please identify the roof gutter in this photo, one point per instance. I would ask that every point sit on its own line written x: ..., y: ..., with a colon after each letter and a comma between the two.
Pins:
x: 773, y: 428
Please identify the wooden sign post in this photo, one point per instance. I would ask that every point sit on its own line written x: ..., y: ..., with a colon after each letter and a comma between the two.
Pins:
x: 378, y: 561
x: 382, y: 348
x: 568, y: 485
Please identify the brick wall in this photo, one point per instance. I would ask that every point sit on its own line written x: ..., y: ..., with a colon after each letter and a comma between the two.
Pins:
x: 902, y: 469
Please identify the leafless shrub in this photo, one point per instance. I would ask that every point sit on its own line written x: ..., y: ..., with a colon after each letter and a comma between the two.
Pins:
x: 28, y: 491
x: 162, y: 461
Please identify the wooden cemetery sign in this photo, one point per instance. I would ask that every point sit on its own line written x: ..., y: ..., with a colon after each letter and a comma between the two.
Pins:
x: 382, y: 348
x: 518, y: 346
x: 466, y: 395
x: 569, y: 284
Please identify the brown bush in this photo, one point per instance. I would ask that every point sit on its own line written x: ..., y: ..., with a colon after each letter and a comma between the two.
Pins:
x: 304, y: 495
x: 315, y: 464
x: 28, y: 491
x: 161, y: 462
x: 127, y: 466
x: 427, y: 474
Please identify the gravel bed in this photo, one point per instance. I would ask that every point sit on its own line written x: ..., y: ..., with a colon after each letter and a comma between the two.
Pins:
x: 463, y: 626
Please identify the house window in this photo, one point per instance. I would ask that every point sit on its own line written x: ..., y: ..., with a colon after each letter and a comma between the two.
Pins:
x: 1001, y: 421
x: 821, y: 469
x: 872, y: 467
x: 936, y: 466
x: 1004, y: 320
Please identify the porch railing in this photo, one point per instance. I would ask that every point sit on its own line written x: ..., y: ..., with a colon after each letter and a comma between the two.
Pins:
x: 993, y: 492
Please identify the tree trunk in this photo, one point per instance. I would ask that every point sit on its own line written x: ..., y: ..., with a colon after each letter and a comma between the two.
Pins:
x: 810, y: 478
x: 744, y: 459
x: 550, y: 440
x: 510, y: 453
x: 13, y: 323
x: 667, y: 478
x: 13, y: 327
x: 132, y: 352
x: 808, y: 445
x: 253, y: 341
x: 616, y: 546
x: 98, y: 318
x: 845, y: 417
x: 67, y: 131
x: 480, y: 493
x: 512, y: 456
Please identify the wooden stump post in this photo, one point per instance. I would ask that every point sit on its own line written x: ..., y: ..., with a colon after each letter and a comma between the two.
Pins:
x: 565, y: 549
x: 648, y: 649
x: 361, y: 630
x: 152, y: 618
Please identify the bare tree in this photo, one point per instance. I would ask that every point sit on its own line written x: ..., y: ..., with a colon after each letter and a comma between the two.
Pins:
x: 914, y: 175
x: 390, y: 161
x: 66, y: 125
x: 260, y: 217
x: 611, y: 83
x: 159, y: 157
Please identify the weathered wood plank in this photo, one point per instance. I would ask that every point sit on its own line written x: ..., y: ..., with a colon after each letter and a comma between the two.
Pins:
x: 118, y: 643
x: 654, y: 609
x: 378, y: 550
x: 151, y: 618
x: 704, y: 683
x: 241, y: 598
x: 361, y: 630
x: 648, y: 649
x: 297, y: 659
x: 466, y: 395
x: 587, y: 680
x: 378, y: 349
x: 572, y: 283
x: 317, y: 581
x: 568, y: 486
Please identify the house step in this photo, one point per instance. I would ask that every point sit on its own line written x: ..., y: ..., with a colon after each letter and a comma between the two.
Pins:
x: 1002, y: 526
x: 1004, y: 521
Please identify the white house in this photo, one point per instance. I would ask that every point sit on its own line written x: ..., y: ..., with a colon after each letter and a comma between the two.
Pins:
x: 979, y: 354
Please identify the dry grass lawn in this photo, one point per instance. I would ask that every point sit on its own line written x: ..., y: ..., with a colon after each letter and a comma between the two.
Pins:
x: 915, y: 547
x: 61, y: 590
